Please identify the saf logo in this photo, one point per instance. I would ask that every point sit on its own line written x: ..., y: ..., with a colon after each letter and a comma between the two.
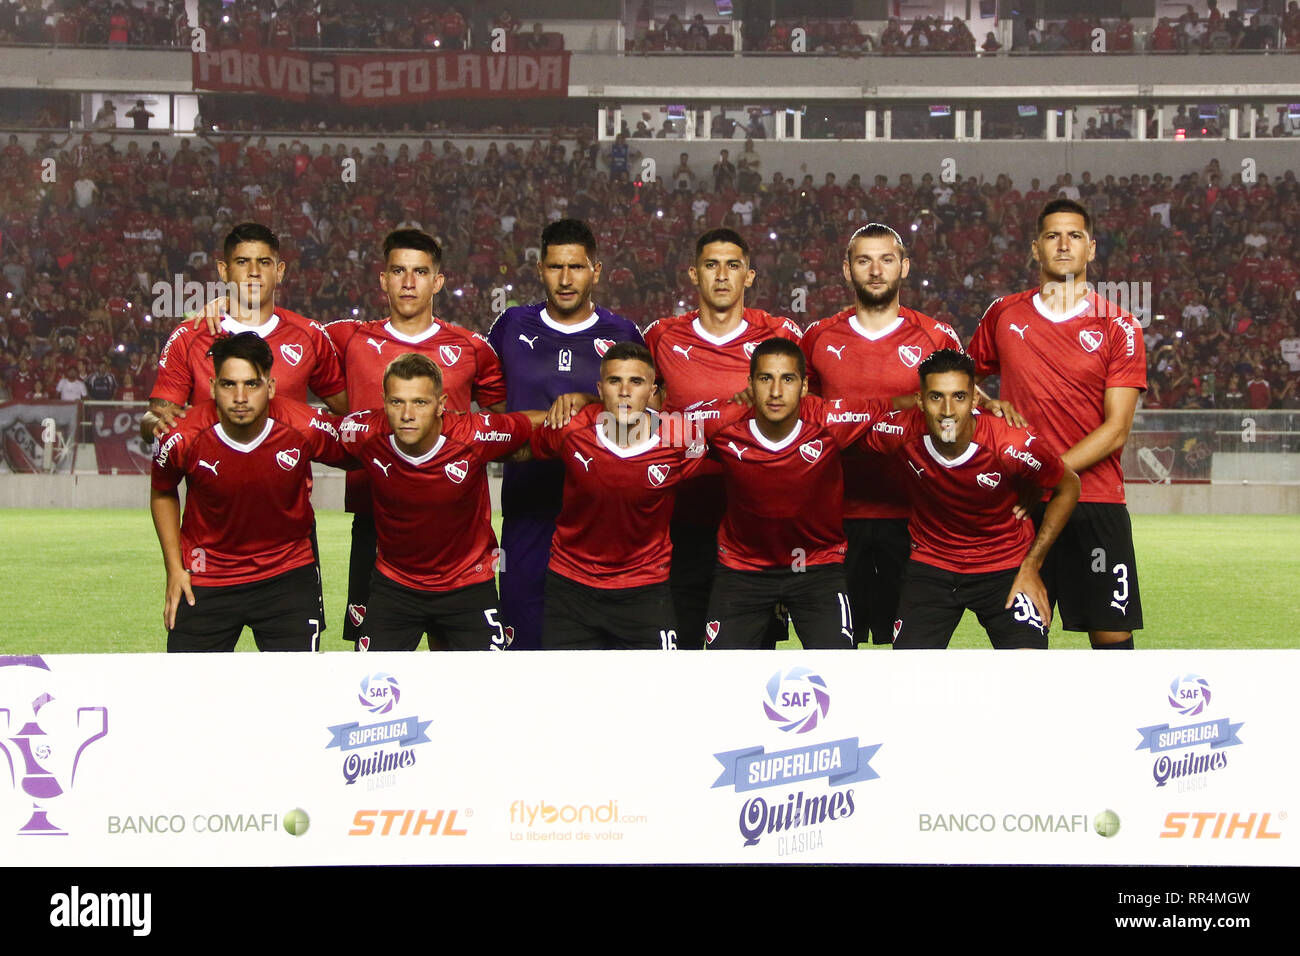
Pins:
x: 797, y: 700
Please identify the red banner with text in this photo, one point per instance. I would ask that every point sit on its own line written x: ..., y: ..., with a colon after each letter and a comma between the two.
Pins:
x: 379, y: 79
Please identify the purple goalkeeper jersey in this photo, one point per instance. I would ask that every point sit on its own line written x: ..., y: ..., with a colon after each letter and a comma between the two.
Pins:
x: 543, y: 360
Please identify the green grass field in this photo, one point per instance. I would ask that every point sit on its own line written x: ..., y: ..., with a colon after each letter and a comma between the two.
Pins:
x: 92, y: 582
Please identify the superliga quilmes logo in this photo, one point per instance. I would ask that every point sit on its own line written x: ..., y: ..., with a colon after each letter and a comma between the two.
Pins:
x: 378, y: 751
x: 1189, y: 752
x: 796, y: 700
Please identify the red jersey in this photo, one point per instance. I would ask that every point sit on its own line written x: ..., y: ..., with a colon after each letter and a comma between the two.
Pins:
x: 612, y: 531
x: 961, y: 508
x: 1056, y: 369
x: 470, y: 370
x: 846, y: 362
x: 699, y: 372
x: 785, y: 499
x: 433, y: 518
x: 248, y: 514
x: 304, y: 358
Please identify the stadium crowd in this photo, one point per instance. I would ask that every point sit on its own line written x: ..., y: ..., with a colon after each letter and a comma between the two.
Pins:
x: 1214, y: 260
x: 415, y: 24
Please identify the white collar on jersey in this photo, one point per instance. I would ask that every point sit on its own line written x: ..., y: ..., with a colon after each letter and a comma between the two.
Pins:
x: 245, y: 447
x: 874, y: 336
x: 718, y: 339
x: 437, y: 447
x: 234, y: 327
x: 582, y: 326
x: 632, y: 450
x: 1041, y: 308
x: 770, y: 445
x: 428, y: 333
x: 961, y: 459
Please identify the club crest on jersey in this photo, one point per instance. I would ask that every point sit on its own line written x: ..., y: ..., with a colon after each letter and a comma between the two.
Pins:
x: 356, y: 613
x: 287, y: 459
x: 602, y: 346
x: 811, y: 450
x: 749, y: 349
x: 1090, y: 339
x: 292, y: 353
x: 363, y: 644
x: 711, y: 630
x: 450, y: 354
x: 657, y: 474
x: 898, y: 626
x: 909, y: 355
x: 989, y: 479
x: 457, y: 470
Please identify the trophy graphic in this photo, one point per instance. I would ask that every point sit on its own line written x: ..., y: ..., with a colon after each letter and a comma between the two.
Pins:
x: 39, y: 753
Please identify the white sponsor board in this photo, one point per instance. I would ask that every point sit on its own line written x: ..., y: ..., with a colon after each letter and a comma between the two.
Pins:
x: 1183, y: 758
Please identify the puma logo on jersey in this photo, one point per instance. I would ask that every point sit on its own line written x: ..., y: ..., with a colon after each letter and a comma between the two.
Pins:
x: 685, y: 351
x: 1020, y: 330
x: 382, y: 467
x: 379, y: 346
x: 1123, y: 608
x: 212, y: 467
x: 919, y: 471
x: 1029, y: 439
x: 531, y: 343
x: 586, y: 462
x: 740, y: 452
x: 909, y: 355
x: 457, y: 470
x: 288, y: 459
x: 989, y: 479
x: 292, y: 353
x: 1090, y: 339
x: 839, y: 352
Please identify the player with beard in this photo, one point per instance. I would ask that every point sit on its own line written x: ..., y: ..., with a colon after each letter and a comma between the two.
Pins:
x: 243, y: 555
x: 470, y: 369
x: 699, y: 356
x: 551, y: 352
x: 781, y: 541
x: 965, y: 474
x: 607, y: 586
x: 1075, y: 364
x: 870, y: 351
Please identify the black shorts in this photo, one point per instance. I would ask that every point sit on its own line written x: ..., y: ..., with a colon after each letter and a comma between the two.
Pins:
x: 933, y: 601
x: 1091, y: 572
x: 464, y: 619
x: 361, y: 564
x: 742, y: 604
x: 580, y: 617
x: 695, y: 555
x: 283, y: 612
x: 878, y: 552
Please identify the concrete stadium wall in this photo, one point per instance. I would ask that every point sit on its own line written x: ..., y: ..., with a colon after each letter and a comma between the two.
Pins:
x: 132, y: 491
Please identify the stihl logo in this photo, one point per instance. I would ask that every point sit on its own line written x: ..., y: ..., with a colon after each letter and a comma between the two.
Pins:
x: 405, y: 823
x: 1218, y: 826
